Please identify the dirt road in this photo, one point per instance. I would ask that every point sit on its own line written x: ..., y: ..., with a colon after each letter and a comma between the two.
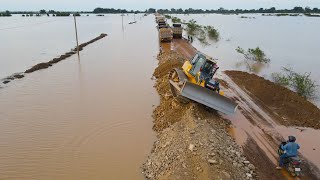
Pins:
x: 255, y: 129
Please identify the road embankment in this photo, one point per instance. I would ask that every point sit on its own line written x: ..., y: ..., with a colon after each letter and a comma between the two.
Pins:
x: 193, y: 142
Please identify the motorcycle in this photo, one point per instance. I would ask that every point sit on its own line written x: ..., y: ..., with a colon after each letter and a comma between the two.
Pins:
x: 291, y: 164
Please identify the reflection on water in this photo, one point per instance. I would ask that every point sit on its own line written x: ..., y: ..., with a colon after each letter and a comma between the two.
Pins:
x: 255, y: 67
x: 88, y: 119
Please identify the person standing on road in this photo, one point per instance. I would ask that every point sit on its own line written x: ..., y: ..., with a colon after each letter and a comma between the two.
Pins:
x: 290, y: 150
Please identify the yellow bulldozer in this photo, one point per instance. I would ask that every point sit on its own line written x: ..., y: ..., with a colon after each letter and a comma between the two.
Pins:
x: 195, y: 82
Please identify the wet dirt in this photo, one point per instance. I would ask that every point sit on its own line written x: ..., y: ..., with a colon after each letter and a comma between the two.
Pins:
x: 252, y: 122
x: 285, y: 106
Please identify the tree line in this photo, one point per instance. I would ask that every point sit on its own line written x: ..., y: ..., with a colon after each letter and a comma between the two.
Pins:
x: 239, y: 11
x: 305, y: 10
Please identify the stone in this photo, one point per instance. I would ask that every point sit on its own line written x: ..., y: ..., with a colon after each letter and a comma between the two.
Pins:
x: 184, y: 165
x: 227, y: 175
x: 249, y: 175
x: 251, y: 166
x: 212, y: 161
x: 191, y: 147
x: 246, y: 162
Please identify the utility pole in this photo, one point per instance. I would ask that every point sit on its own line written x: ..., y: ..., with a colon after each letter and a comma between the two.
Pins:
x: 75, y: 26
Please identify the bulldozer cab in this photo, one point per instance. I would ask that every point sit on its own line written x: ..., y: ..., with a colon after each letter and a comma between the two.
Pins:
x: 203, y: 64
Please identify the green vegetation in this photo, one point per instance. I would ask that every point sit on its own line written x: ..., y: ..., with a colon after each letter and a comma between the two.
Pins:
x: 282, y: 14
x: 255, y: 55
x: 312, y: 15
x: 300, y: 83
x: 167, y: 16
x: 201, y: 32
x: 5, y: 14
x: 192, y: 27
x: 176, y: 20
x: 62, y: 14
x: 254, y: 59
x: 238, y: 11
x: 212, y: 32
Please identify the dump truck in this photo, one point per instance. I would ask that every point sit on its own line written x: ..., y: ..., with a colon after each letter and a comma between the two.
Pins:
x: 194, y: 81
x: 165, y: 33
x: 177, y: 30
x: 159, y: 18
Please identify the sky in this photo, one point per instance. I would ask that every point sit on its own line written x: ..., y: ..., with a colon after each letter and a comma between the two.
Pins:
x: 89, y: 5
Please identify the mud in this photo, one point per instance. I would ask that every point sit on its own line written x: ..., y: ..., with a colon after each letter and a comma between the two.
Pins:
x: 193, y: 142
x: 282, y: 104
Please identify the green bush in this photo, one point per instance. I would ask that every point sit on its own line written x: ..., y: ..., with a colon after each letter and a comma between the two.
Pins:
x: 300, y: 83
x: 212, y: 32
x: 192, y: 27
x: 167, y: 16
x: 176, y: 20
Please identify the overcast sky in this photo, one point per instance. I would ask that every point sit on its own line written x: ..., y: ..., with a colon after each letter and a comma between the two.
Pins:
x: 144, y: 4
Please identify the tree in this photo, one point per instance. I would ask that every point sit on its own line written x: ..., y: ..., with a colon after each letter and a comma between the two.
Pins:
x: 151, y: 10
x: 42, y: 11
x: 298, y: 10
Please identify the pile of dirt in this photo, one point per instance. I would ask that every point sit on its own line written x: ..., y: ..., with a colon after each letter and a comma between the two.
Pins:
x: 285, y: 105
x: 193, y: 142
x: 168, y: 112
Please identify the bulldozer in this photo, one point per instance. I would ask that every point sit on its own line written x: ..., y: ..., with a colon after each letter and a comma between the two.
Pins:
x: 194, y: 81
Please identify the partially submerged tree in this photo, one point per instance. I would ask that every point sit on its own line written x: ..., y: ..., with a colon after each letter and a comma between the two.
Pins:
x: 192, y: 27
x: 256, y: 55
x: 254, y: 59
x: 212, y: 32
x: 298, y: 82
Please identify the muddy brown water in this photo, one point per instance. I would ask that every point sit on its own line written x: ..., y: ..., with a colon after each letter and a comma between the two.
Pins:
x: 82, y: 120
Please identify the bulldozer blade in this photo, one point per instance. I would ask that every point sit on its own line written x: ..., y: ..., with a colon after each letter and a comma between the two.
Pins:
x: 208, y: 97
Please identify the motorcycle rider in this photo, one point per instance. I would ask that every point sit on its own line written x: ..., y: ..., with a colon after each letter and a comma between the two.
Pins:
x: 290, y: 150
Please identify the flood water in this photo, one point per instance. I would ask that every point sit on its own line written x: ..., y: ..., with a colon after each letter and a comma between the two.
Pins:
x: 77, y: 120
x: 287, y: 41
